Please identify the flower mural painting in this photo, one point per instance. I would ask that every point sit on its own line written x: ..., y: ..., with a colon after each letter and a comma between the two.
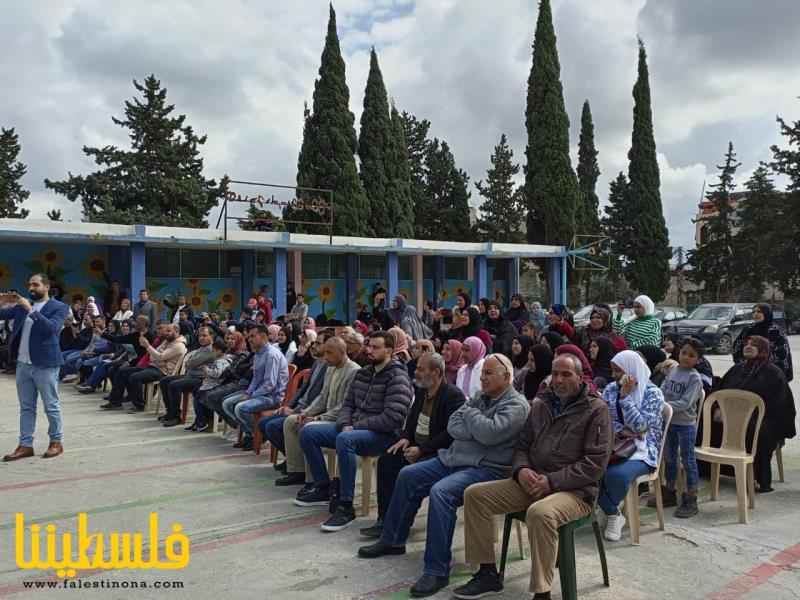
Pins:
x: 48, y: 262
x: 95, y: 266
x: 227, y: 299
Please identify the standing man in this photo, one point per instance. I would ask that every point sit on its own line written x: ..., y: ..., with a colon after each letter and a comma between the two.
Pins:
x: 177, y: 307
x: 34, y: 341
x: 147, y: 308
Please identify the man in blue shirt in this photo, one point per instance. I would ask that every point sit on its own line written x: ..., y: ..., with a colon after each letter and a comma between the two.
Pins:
x: 266, y: 390
x: 34, y: 341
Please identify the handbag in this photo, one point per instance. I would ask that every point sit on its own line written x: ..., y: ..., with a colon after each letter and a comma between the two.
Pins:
x: 624, y: 441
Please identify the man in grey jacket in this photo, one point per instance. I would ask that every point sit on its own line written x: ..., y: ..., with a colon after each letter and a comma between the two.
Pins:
x: 484, y: 432
x: 146, y: 307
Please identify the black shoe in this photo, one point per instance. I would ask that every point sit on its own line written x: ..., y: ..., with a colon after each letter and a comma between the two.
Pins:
x: 247, y: 444
x: 485, y: 582
x: 281, y: 467
x: 374, y: 531
x: 688, y: 507
x: 203, y: 427
x: 107, y: 397
x: 542, y: 596
x: 669, y: 496
x: 111, y: 406
x: 313, y: 496
x: 171, y: 422
x: 291, y: 479
x: 243, y: 442
x: 162, y: 418
x: 428, y: 585
x: 136, y: 409
x: 85, y: 389
x: 192, y: 427
x: 764, y: 490
x: 342, y: 518
x: 379, y: 549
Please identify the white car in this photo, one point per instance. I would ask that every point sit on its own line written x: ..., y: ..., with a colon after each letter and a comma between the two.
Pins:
x: 582, y: 316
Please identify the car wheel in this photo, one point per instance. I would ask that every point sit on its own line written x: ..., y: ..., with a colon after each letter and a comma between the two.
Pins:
x: 725, y: 345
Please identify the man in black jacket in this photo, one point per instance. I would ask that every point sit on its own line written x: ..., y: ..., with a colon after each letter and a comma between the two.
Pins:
x: 370, y: 420
x: 425, y: 432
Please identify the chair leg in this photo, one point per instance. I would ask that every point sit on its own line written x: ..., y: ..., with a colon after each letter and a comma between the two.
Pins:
x: 741, y: 492
x: 660, y: 507
x: 601, y: 549
x: 184, y: 406
x: 779, y: 458
x: 520, y: 542
x: 715, y: 481
x: 273, y: 454
x: 257, y: 440
x: 504, y: 547
x: 366, y: 485
x: 331, y: 464
x: 632, y: 512
x: 566, y: 563
x: 751, y: 486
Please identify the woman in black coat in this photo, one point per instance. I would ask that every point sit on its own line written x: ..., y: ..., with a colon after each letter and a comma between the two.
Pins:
x: 780, y: 352
x: 601, y: 351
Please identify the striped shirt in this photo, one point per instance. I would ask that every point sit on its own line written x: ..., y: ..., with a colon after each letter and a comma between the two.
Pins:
x: 641, y: 331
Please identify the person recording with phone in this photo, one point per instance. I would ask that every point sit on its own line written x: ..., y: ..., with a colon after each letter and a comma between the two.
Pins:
x: 35, y: 343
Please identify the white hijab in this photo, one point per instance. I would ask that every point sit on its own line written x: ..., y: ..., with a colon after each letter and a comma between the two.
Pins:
x: 633, y: 364
x: 649, y: 305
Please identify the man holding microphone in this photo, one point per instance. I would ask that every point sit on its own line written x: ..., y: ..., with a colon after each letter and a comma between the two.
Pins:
x: 34, y: 341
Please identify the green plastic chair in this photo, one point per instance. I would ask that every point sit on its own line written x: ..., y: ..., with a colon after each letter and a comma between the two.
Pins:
x: 566, y: 551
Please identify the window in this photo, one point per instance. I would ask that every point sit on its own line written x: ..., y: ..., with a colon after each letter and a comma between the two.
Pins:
x: 200, y: 263
x: 265, y: 264
x: 429, y: 267
x: 405, y: 268
x: 372, y: 267
x: 163, y: 262
x: 231, y: 264
x: 455, y: 268
x: 324, y: 266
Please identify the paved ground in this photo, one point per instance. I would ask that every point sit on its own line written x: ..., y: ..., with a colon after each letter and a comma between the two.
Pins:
x: 249, y: 541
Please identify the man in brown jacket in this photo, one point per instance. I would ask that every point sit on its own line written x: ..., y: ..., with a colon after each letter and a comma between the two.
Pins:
x: 559, y: 459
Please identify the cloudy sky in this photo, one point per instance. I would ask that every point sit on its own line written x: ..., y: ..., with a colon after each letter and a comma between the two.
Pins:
x: 240, y: 70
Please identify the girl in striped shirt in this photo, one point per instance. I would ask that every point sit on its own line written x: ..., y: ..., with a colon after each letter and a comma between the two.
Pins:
x: 645, y: 329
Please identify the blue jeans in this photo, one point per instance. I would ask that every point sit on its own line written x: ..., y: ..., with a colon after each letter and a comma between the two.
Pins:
x: 72, y: 360
x: 245, y: 410
x: 229, y: 405
x: 348, y: 444
x: 98, y: 375
x: 272, y: 428
x: 616, y: 482
x: 445, y: 488
x: 31, y: 383
x: 681, y: 437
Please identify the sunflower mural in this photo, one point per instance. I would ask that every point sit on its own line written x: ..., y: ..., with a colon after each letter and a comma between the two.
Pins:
x: 226, y: 300
x: 76, y: 293
x: 325, y: 294
x: 95, y: 266
x: 49, y: 262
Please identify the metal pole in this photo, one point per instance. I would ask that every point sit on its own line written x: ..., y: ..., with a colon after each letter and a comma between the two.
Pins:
x: 330, y: 230
x: 225, y: 208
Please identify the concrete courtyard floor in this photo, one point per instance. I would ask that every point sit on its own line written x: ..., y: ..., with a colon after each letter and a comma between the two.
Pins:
x: 249, y: 541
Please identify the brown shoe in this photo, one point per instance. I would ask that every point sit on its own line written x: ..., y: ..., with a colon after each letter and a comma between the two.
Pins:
x: 20, y: 452
x: 54, y: 449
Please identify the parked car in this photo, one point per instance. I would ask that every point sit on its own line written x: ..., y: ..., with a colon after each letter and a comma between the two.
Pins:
x: 668, y: 314
x: 717, y: 325
x: 581, y: 317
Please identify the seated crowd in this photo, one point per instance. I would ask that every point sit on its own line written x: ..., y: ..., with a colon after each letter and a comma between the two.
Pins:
x: 497, y: 411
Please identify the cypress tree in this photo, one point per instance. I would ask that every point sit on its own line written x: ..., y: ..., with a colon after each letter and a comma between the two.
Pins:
x: 374, y: 147
x: 551, y: 188
x: 648, y: 260
x: 400, y: 202
x: 447, y: 188
x: 159, y: 181
x: 786, y: 250
x: 503, y: 209
x: 12, y: 194
x: 712, y: 260
x: 617, y: 225
x: 326, y: 158
x: 417, y: 145
x: 587, y: 217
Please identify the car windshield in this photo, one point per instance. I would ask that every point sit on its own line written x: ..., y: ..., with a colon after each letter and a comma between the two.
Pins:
x: 711, y: 313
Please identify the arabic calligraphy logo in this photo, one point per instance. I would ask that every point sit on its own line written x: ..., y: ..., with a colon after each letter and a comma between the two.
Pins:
x: 124, y: 550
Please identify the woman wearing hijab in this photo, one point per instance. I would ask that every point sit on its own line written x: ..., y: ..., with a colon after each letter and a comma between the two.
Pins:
x: 451, y: 352
x: 644, y: 329
x: 780, y: 352
x: 758, y: 373
x: 401, y: 352
x: 303, y: 358
x: 599, y: 326
x: 463, y: 301
x: 520, y: 346
x: 552, y: 340
x: 601, y: 351
x: 286, y: 344
x: 406, y: 318
x: 658, y: 363
x: 537, y: 315
x: 634, y: 403
x: 557, y: 321
x: 500, y: 328
x: 468, y: 379
x: 517, y: 312
x: 538, y: 369
x: 418, y: 348
x: 671, y: 345
x: 471, y: 327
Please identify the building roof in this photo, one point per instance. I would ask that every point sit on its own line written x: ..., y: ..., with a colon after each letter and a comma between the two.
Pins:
x: 31, y: 230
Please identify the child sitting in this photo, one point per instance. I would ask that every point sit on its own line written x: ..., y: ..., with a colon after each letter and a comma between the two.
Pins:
x: 91, y: 307
x: 682, y: 390
x: 212, y: 377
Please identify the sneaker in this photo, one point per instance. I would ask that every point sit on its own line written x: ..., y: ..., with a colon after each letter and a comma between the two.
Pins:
x: 486, y: 582
x: 428, y: 585
x: 162, y: 418
x: 374, y: 531
x: 171, y: 422
x: 688, y: 507
x: 281, y: 467
x: 192, y: 427
x: 231, y: 435
x: 85, y: 389
x: 243, y: 442
x: 70, y: 378
x: 342, y: 518
x: 202, y: 428
x: 314, y: 496
x: 669, y: 496
x: 614, y: 527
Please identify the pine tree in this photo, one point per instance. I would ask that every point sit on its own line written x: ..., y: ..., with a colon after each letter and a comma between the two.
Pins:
x: 399, y: 199
x: 447, y: 188
x: 12, y: 194
x: 417, y: 146
x: 503, y: 210
x: 54, y: 215
x: 551, y: 187
x: 159, y: 181
x: 617, y: 224
x: 326, y: 159
x: 648, y: 269
x: 712, y: 261
x: 587, y: 218
x: 260, y: 219
x: 754, y: 243
x: 786, y: 239
x: 375, y: 139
